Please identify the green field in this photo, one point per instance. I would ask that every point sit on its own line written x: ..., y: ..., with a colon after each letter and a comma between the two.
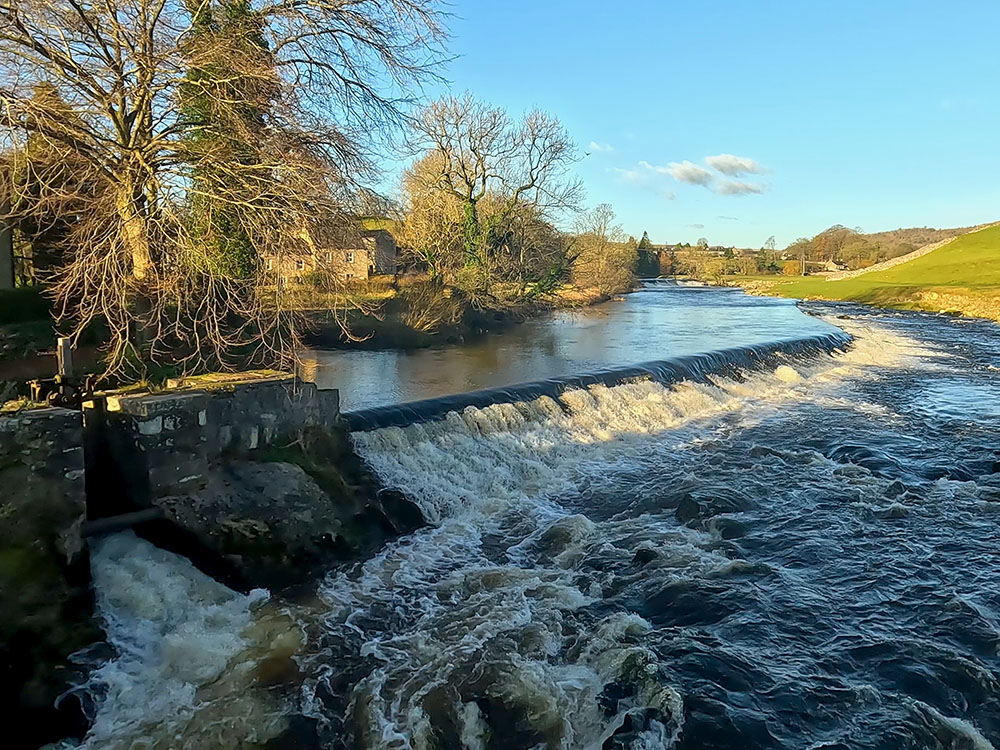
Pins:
x: 962, y: 276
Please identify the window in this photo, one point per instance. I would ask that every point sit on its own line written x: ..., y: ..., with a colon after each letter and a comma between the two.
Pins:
x: 328, y: 257
x: 349, y: 275
x: 300, y: 265
x: 349, y: 256
x: 270, y: 264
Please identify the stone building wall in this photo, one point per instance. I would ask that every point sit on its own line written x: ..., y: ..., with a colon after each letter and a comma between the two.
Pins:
x: 43, y: 448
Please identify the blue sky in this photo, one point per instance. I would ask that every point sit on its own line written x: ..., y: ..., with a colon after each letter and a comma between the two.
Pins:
x: 877, y: 114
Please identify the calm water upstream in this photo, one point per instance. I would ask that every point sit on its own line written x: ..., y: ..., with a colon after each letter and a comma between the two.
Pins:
x: 801, y: 557
x: 659, y: 321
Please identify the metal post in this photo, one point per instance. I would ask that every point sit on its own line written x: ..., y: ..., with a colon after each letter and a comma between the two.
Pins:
x: 64, y: 353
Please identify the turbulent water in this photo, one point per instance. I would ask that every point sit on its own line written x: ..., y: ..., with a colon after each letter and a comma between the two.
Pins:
x: 188, y: 655
x: 803, y: 557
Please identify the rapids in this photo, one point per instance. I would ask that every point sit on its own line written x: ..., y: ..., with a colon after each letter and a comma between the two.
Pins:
x: 802, y: 556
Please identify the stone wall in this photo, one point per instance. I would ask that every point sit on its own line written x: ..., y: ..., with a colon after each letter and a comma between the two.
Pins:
x: 162, y: 442
x: 45, y: 601
x: 44, y: 447
x: 253, y: 480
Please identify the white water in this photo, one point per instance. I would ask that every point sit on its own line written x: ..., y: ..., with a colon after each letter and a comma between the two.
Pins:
x: 186, y: 650
x: 451, y: 618
x: 470, y: 620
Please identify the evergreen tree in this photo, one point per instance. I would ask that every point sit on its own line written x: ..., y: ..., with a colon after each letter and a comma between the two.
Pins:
x: 648, y: 260
x: 225, y: 102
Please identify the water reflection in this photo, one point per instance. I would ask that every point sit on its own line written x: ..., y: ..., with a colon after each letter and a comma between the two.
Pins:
x: 659, y: 321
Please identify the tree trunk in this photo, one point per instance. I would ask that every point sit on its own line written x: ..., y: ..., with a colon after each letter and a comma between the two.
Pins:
x: 470, y: 222
x: 134, y: 228
x: 131, y: 204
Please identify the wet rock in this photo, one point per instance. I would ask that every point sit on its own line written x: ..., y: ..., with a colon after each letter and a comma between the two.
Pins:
x: 895, y: 489
x: 302, y: 734
x: 729, y: 528
x: 726, y: 502
x: 272, y: 520
x: 687, y: 603
x: 644, y: 555
x: 635, y: 729
x: 896, y: 510
x: 688, y: 509
x: 879, y: 463
x: 612, y: 695
x: 286, y: 517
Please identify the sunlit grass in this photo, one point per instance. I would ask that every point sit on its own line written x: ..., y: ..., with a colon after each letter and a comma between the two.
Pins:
x: 968, y: 267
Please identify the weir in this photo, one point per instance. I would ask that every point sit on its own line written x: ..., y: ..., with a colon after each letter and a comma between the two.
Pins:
x: 231, y: 475
x: 732, y: 362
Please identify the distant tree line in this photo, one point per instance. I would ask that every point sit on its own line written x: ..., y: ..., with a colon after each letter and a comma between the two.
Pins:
x: 853, y: 249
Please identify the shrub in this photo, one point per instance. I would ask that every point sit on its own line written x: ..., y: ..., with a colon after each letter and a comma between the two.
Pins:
x: 426, y: 308
x: 791, y: 268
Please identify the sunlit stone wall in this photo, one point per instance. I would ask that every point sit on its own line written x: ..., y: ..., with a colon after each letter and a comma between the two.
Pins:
x: 164, y: 441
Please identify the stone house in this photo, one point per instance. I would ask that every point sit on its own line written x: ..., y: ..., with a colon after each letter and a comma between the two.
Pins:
x: 372, y: 253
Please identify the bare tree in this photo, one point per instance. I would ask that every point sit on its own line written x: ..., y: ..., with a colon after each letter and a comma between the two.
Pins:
x: 605, y: 259
x: 432, y: 219
x: 327, y: 81
x: 496, y: 168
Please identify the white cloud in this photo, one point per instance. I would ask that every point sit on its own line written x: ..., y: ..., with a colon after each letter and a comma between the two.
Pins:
x: 646, y: 174
x: 632, y: 176
x: 603, y: 148
x: 687, y: 172
x: 647, y: 178
x: 737, y: 187
x: 649, y: 167
x: 733, y: 166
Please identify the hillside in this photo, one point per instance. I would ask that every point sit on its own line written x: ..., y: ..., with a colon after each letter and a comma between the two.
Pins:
x: 857, y: 250
x: 962, y: 276
x: 914, y: 236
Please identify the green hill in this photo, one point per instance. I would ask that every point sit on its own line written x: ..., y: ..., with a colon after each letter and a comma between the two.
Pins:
x: 962, y: 276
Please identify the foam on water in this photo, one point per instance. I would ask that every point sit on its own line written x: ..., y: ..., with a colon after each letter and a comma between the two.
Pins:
x: 185, y: 652
x: 487, y: 623
x: 487, y: 616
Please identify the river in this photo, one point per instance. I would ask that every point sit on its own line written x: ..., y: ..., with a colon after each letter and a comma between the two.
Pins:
x: 658, y: 321
x: 802, y: 556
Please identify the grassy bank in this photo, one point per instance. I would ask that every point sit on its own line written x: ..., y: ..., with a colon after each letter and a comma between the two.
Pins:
x: 961, y: 277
